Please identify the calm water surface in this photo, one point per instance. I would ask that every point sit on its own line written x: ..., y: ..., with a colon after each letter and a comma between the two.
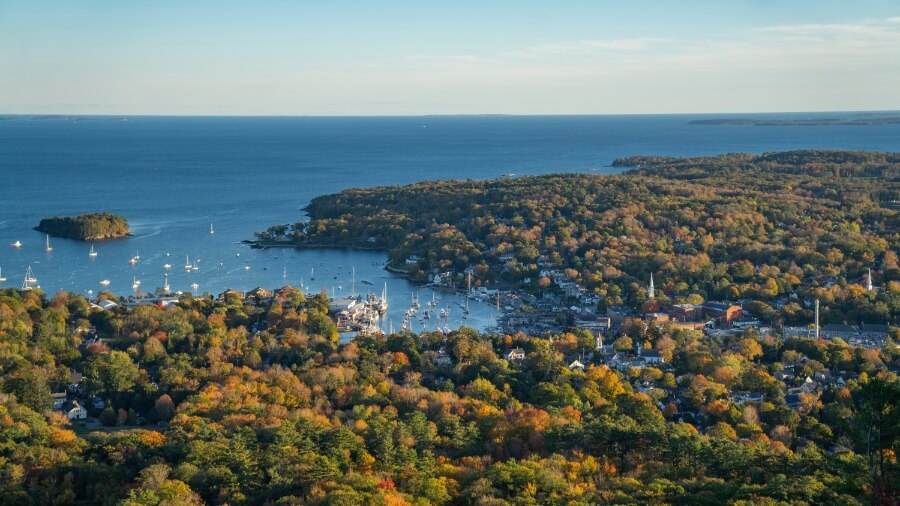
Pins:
x: 173, y: 177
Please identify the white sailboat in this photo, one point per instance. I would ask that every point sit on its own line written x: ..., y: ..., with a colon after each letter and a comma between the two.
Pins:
x: 92, y: 253
x: 30, y: 282
x: 187, y: 262
x: 166, y: 283
x: 17, y: 244
x: 104, y: 282
x: 135, y: 259
x: 135, y: 283
x: 167, y: 266
x: 211, y: 230
x: 284, y: 273
x: 2, y: 279
x: 48, y: 248
x: 194, y: 286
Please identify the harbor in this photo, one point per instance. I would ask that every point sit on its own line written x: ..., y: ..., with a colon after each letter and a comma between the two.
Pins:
x: 142, y: 267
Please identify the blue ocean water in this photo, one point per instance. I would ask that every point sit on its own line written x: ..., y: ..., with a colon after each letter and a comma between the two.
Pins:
x: 174, y: 176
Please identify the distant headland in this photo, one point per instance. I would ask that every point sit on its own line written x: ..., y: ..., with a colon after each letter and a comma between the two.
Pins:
x: 797, y: 122
x: 85, y: 227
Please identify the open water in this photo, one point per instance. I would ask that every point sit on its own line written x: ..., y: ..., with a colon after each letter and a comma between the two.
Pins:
x: 173, y: 177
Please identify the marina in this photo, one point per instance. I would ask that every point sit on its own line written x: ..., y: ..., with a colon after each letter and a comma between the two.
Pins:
x: 382, y: 300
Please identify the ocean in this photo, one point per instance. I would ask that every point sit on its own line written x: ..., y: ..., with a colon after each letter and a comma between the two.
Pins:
x: 173, y: 177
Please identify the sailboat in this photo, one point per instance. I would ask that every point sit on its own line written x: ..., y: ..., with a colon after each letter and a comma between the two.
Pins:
x: 2, y: 279
x: 194, y: 266
x: 17, y: 244
x: 104, y: 282
x: 194, y: 286
x: 211, y: 230
x: 92, y: 253
x: 383, y: 304
x: 166, y: 283
x: 135, y: 259
x: 284, y: 273
x: 48, y: 248
x: 135, y: 283
x: 29, y: 280
x: 187, y: 262
x: 167, y: 266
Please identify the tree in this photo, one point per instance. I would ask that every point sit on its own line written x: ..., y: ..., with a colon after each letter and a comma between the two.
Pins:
x: 749, y: 348
x: 877, y: 428
x: 623, y: 343
x: 164, y: 408
x: 110, y: 373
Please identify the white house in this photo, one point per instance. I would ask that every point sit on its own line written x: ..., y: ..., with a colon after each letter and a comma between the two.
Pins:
x: 576, y: 365
x: 77, y: 412
x: 515, y: 355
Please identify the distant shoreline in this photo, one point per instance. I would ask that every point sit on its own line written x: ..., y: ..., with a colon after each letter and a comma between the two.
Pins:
x: 797, y: 122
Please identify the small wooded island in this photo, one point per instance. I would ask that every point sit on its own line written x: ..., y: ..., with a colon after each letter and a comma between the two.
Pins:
x: 85, y: 227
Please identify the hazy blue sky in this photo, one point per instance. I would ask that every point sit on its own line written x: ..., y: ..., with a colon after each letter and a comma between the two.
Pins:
x: 423, y: 57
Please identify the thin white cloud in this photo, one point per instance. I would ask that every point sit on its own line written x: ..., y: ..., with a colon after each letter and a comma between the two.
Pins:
x: 586, y: 47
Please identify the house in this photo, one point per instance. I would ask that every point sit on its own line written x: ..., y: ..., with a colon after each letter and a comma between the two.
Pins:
x: 412, y: 259
x: 793, y: 401
x: 575, y: 363
x: 259, y: 293
x: 59, y: 400
x: 75, y: 385
x: 442, y: 358
x: 77, y: 412
x: 231, y: 292
x: 784, y: 376
x: 515, y: 355
x: 652, y: 357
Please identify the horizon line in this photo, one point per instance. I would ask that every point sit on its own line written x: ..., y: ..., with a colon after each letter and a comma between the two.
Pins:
x: 439, y: 115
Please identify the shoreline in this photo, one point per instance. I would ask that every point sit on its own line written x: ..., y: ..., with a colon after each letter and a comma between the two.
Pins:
x: 85, y: 239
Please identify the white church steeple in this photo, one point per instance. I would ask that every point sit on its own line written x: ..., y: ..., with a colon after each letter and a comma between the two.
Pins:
x: 651, y: 292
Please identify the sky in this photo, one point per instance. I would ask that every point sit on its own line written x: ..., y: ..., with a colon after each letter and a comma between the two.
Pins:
x: 342, y: 57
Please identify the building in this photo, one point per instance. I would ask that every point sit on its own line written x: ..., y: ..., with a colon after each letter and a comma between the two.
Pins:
x: 77, y: 412
x: 515, y: 355
x: 652, y: 357
x: 231, y: 292
x: 576, y: 364
x: 342, y: 304
x: 59, y: 400
x: 105, y: 305
x: 656, y: 318
x: 722, y: 312
x: 686, y: 313
x: 259, y: 293
x: 442, y: 358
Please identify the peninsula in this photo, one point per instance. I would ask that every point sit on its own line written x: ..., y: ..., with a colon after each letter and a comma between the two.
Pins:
x: 797, y: 122
x: 85, y: 227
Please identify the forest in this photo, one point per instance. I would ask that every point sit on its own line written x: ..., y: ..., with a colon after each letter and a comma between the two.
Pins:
x: 775, y: 229
x: 255, y: 402
x: 85, y: 227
